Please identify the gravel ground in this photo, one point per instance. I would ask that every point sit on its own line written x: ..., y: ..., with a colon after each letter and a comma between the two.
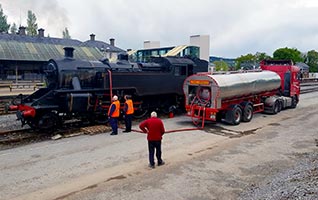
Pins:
x: 273, y: 157
x: 299, y: 182
x: 10, y: 122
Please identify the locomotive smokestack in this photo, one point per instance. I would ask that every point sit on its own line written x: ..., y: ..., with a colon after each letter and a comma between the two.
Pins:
x: 92, y: 37
x: 68, y: 52
x: 112, y: 41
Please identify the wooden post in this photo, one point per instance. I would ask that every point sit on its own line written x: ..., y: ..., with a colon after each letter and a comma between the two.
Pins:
x: 16, y: 73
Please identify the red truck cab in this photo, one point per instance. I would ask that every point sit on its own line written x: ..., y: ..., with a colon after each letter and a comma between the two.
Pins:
x: 289, y: 74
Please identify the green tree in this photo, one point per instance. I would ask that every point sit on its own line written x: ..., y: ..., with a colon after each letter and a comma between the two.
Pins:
x: 4, y: 26
x: 244, y: 60
x: 312, y: 60
x: 261, y: 56
x: 66, y: 34
x: 221, y: 66
x: 13, y: 28
x: 32, y: 26
x: 288, y: 54
x: 250, y: 61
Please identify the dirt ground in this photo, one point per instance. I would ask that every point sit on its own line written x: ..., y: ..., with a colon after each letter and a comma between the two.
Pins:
x: 272, y: 157
x: 242, y: 168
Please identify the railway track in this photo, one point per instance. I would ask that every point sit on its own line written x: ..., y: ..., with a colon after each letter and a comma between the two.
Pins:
x: 3, y: 103
x: 308, y: 88
x: 6, y: 99
x: 13, y: 138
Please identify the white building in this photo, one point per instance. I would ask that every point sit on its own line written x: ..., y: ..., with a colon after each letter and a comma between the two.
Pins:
x: 202, y: 41
x: 151, y: 44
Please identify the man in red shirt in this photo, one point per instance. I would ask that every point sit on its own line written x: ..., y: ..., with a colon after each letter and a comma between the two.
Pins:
x: 154, y: 129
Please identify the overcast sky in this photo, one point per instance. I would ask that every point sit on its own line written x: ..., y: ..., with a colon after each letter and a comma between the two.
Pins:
x: 236, y: 27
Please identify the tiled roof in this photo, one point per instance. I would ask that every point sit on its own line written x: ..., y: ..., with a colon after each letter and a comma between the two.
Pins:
x: 37, y: 39
x: 302, y: 66
x: 28, y: 51
x: 101, y: 45
x: 36, y: 48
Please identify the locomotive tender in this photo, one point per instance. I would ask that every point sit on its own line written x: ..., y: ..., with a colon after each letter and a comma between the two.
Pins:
x: 78, y: 89
x: 235, y: 97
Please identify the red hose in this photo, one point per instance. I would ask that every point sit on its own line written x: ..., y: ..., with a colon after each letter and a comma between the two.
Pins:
x: 110, y: 85
x: 172, y: 131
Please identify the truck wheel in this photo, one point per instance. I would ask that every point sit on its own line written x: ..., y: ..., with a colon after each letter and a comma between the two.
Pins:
x: 247, y: 113
x: 280, y: 106
x: 218, y: 117
x: 234, y: 116
x: 294, y: 102
x: 276, y: 107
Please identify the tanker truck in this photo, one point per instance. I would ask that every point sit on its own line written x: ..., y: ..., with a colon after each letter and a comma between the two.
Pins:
x: 234, y: 97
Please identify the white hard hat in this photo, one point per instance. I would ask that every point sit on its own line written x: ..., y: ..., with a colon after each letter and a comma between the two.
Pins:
x: 115, y: 98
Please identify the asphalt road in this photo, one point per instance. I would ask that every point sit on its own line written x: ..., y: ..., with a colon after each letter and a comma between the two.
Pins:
x: 219, y: 162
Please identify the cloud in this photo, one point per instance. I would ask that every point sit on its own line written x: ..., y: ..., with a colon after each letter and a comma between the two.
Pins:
x: 235, y: 27
x: 49, y: 14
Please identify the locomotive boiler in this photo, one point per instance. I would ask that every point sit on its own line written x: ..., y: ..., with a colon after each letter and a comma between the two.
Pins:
x: 78, y: 89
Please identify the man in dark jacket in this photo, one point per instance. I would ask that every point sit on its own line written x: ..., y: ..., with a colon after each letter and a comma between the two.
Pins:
x: 154, y: 129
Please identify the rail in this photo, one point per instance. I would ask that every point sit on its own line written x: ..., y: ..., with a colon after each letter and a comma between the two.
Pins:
x: 306, y: 80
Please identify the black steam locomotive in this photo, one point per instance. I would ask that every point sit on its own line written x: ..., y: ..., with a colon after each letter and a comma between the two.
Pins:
x: 78, y: 89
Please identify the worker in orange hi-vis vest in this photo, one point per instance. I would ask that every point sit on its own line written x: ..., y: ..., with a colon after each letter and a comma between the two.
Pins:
x: 113, y: 114
x: 128, y: 111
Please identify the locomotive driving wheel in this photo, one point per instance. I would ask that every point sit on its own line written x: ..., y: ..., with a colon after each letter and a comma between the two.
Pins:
x: 48, y: 122
x: 140, y: 113
x: 32, y: 123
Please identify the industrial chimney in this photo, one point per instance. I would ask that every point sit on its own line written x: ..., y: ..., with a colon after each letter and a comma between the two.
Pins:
x: 41, y: 32
x: 21, y: 30
x: 92, y: 37
x: 112, y: 41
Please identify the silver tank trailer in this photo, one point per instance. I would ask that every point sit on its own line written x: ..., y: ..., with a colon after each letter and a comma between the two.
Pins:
x: 232, y: 85
x: 225, y: 86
